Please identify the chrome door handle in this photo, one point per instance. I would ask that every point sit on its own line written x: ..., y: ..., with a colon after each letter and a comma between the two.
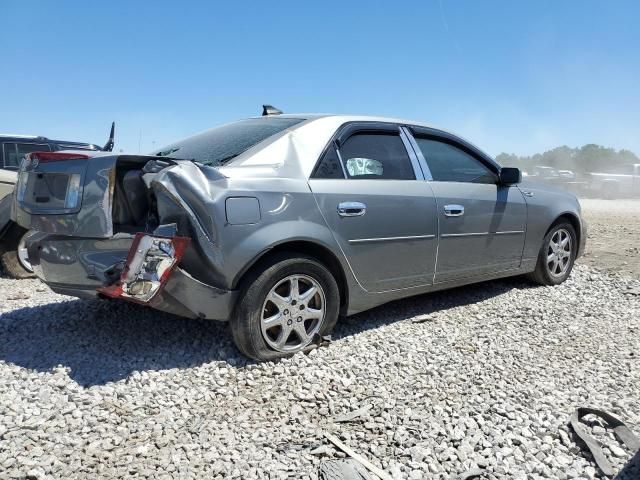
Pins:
x: 351, y: 209
x: 453, y: 210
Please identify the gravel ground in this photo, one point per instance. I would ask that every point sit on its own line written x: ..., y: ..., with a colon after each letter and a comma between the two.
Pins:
x: 489, y: 379
x: 614, y: 232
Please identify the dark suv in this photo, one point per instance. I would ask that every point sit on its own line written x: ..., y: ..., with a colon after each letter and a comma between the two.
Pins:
x: 13, y: 148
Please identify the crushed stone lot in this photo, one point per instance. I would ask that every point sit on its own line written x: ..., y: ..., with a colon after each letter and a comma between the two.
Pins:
x: 614, y: 235
x: 487, y: 376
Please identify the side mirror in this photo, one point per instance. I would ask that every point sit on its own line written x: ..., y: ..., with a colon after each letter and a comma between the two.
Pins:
x: 510, y: 176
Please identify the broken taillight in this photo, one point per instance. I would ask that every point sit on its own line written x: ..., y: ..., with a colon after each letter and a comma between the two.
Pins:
x: 149, y: 264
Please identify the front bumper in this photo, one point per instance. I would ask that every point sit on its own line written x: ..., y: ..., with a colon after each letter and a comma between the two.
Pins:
x: 79, y: 267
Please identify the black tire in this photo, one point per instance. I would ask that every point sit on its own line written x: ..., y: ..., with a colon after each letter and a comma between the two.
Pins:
x: 9, y: 253
x: 12, y: 266
x: 246, y: 320
x: 542, y: 274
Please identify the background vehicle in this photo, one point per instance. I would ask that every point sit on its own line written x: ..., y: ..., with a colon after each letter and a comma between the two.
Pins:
x: 13, y: 148
x: 283, y: 222
x: 622, y: 181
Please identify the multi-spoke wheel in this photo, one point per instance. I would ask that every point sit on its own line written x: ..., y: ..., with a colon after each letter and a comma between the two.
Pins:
x: 559, y: 252
x: 292, y: 313
x: 285, y: 305
x: 557, y: 255
x: 23, y: 255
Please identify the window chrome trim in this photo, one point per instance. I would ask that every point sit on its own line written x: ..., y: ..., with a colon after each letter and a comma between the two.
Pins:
x: 391, y: 239
x: 426, y: 172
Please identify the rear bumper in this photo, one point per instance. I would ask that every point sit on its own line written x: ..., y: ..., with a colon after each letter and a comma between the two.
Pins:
x: 80, y: 266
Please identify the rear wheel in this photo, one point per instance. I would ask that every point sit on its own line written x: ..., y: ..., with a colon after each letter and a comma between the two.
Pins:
x: 15, y: 262
x: 557, y: 255
x: 285, y: 305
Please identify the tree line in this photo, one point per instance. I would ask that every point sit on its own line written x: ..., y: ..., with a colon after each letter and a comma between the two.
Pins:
x: 581, y: 160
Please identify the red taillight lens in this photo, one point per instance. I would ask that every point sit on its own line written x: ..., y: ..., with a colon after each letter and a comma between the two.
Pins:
x: 46, y: 157
x: 149, y: 264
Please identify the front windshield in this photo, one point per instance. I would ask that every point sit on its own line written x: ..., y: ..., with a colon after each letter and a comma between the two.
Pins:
x: 219, y: 145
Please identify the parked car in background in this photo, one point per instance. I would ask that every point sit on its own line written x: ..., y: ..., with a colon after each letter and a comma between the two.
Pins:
x: 621, y: 181
x: 567, y: 175
x: 13, y: 148
x: 545, y: 173
x: 281, y: 223
x: 7, y: 182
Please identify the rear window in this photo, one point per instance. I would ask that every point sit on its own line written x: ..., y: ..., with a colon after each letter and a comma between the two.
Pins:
x: 220, y: 145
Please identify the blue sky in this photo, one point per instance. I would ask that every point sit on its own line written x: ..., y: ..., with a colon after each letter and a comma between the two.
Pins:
x: 510, y: 76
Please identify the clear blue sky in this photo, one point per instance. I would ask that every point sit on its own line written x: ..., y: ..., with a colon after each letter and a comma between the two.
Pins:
x: 511, y: 76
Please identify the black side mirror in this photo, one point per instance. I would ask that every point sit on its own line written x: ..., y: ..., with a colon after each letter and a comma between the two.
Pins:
x: 510, y: 176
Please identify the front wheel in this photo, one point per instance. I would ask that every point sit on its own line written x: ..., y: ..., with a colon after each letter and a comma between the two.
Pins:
x: 284, y: 306
x: 557, y: 255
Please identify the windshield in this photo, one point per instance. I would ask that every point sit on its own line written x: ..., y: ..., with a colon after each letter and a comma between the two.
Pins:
x: 219, y: 145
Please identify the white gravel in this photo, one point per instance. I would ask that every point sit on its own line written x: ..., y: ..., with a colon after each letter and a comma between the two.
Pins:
x: 94, y: 389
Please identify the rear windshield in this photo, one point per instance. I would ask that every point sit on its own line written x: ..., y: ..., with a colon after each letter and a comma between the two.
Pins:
x: 219, y: 145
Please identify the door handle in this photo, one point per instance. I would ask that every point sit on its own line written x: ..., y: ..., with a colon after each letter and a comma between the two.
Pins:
x: 453, y: 210
x: 351, y: 209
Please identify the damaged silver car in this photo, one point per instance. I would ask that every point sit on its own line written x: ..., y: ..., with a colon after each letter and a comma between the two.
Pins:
x: 282, y: 223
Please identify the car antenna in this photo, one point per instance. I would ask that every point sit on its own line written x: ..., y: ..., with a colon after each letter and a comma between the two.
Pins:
x: 108, y: 147
x: 268, y: 110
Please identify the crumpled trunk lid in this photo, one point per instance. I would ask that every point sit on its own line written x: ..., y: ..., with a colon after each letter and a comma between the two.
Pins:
x: 72, y: 194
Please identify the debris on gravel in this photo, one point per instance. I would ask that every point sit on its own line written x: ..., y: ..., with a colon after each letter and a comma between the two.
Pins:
x: 102, y: 389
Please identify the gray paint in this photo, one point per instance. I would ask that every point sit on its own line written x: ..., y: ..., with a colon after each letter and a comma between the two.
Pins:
x: 403, y: 245
x: 471, y: 244
x: 242, y: 210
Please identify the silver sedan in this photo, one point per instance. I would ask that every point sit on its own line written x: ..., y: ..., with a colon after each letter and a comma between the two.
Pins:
x: 281, y: 224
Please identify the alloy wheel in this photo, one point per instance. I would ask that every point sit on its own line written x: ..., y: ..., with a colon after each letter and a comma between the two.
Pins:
x: 23, y: 255
x: 292, y: 313
x: 559, y: 252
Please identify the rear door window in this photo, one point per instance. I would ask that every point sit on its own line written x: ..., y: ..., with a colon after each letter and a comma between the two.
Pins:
x: 380, y: 156
x: 329, y: 165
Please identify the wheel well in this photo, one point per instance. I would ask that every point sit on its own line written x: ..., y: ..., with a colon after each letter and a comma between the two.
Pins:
x: 10, y: 236
x: 320, y: 253
x: 573, y: 220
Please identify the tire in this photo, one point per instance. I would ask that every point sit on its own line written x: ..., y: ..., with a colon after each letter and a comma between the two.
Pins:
x: 549, y: 272
x: 268, y: 293
x: 12, y: 266
x: 11, y: 262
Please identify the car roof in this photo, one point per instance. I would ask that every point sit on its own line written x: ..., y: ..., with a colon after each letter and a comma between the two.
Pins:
x: 371, y: 118
x: 360, y: 118
x: 316, y: 129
